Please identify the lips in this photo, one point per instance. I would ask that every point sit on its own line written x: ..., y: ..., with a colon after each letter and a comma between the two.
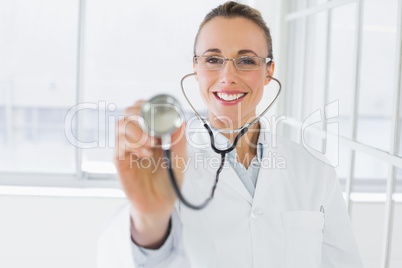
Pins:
x: 229, y: 97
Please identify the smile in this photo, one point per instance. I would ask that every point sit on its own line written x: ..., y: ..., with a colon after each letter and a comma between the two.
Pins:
x: 229, y: 98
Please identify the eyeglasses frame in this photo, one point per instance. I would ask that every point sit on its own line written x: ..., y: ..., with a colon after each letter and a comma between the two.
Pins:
x: 266, y: 61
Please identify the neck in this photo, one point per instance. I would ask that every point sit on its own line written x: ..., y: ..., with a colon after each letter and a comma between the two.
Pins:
x: 248, y: 141
x: 227, y: 122
x: 246, y: 148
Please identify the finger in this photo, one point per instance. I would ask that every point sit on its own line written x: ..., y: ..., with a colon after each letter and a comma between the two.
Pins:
x: 179, y: 137
x: 156, y: 142
x: 179, y: 152
x: 141, y: 152
x: 135, y: 109
x: 130, y: 135
x: 135, y: 136
x: 125, y: 146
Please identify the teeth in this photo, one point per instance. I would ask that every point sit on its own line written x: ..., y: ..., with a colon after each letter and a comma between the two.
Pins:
x: 230, y: 97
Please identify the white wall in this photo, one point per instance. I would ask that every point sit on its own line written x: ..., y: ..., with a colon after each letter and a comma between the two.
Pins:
x: 48, y: 232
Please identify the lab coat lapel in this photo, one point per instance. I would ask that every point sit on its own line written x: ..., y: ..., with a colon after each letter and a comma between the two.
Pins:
x: 266, y: 176
x: 268, y: 170
x: 230, y: 178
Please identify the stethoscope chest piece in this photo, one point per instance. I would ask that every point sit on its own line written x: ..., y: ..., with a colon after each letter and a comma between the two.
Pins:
x: 161, y: 115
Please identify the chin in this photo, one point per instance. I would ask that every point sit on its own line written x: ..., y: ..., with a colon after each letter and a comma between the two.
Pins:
x: 228, y: 117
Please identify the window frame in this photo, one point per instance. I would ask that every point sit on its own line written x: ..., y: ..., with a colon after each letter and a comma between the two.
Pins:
x: 391, y: 158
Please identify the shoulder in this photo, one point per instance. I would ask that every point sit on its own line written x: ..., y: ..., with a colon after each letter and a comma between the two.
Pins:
x: 301, y: 165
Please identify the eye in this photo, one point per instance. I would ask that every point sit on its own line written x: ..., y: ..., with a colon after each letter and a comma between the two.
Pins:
x: 213, y: 60
x: 246, y: 61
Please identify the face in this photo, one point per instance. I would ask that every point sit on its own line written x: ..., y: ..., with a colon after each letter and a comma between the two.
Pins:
x: 232, y: 38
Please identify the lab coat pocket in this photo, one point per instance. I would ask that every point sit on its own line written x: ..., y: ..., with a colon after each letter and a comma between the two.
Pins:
x: 303, y: 238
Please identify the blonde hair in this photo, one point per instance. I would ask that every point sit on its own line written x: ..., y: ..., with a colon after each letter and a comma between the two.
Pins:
x: 232, y: 9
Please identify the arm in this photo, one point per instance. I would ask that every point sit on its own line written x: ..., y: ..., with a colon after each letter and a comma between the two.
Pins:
x: 147, y: 188
x: 116, y: 248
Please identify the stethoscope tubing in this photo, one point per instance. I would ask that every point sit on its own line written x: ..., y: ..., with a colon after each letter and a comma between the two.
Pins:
x: 176, y: 188
x: 248, y: 125
x: 243, y: 130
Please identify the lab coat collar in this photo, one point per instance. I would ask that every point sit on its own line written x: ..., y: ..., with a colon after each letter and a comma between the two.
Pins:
x: 200, y: 141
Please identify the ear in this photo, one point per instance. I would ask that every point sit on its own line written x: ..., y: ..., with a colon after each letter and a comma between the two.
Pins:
x: 270, y: 72
x: 195, y: 71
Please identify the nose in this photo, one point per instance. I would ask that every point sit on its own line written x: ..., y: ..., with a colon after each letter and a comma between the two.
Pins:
x: 228, y: 73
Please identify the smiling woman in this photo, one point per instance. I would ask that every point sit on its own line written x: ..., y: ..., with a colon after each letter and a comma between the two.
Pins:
x: 232, y: 38
x: 288, y: 216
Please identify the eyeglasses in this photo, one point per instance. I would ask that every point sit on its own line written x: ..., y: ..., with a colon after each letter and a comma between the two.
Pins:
x: 244, y: 63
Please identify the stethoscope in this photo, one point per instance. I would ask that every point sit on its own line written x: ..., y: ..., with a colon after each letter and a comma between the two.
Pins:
x: 161, y: 116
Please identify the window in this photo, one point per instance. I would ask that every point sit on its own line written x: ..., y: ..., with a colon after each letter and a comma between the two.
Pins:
x: 327, y: 67
x: 2, y: 125
x: 68, y: 71
x: 37, y: 84
x: 377, y: 75
x: 349, y: 53
x: 126, y: 62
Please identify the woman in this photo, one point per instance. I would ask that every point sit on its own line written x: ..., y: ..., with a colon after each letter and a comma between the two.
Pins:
x: 292, y: 216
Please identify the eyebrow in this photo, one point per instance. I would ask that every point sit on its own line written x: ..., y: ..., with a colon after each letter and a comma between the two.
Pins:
x: 245, y: 51
x: 240, y: 52
x: 216, y: 50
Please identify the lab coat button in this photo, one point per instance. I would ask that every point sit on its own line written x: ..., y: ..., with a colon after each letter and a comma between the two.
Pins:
x: 257, y: 213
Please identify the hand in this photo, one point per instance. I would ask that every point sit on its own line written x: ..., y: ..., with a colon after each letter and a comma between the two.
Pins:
x: 144, y: 178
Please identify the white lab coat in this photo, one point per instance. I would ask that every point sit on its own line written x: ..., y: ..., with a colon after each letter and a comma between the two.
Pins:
x: 281, y: 227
